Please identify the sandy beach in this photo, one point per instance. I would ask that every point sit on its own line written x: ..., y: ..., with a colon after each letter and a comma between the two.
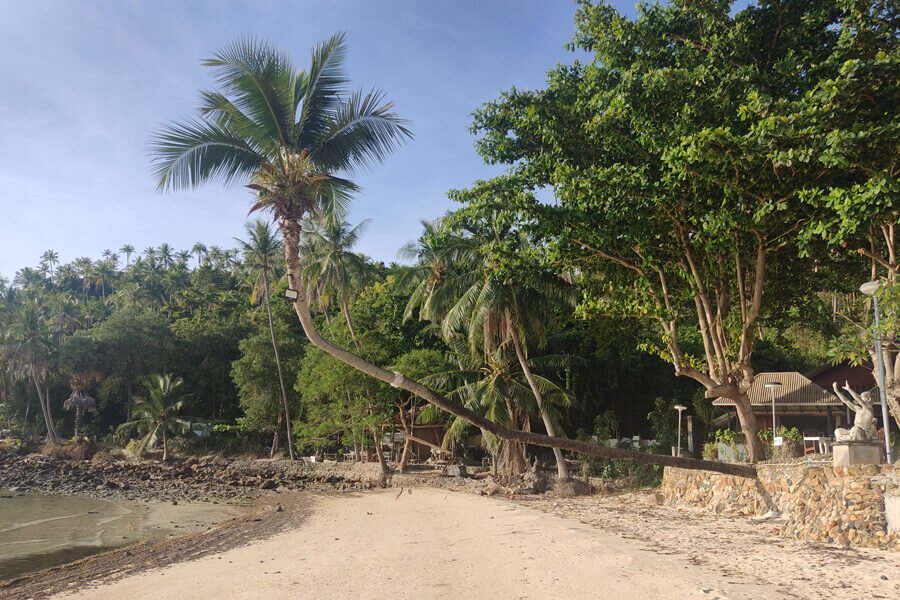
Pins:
x: 431, y: 543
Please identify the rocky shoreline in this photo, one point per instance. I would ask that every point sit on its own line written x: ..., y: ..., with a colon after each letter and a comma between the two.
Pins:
x: 198, y: 479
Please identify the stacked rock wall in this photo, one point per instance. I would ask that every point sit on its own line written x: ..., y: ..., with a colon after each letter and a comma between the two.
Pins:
x: 841, y: 505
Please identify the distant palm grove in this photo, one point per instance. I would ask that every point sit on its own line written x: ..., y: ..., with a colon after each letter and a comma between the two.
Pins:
x: 722, y: 184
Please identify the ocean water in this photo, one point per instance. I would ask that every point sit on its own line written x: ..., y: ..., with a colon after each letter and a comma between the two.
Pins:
x: 37, y: 532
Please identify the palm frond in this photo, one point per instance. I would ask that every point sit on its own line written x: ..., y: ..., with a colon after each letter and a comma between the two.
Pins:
x: 363, y: 132
x: 193, y: 152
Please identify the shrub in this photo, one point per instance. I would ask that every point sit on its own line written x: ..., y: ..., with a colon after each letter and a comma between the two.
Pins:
x: 77, y: 451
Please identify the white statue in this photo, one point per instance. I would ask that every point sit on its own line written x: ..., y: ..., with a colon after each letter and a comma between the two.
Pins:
x: 863, y: 429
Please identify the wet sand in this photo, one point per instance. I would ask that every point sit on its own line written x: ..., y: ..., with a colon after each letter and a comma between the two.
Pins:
x: 40, y: 531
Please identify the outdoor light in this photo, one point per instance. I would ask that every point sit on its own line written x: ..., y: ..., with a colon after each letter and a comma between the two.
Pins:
x: 869, y: 288
x: 772, y: 386
x: 680, y: 408
x: 291, y: 294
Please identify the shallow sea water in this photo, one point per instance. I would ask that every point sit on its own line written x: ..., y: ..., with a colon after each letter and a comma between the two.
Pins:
x: 41, y: 531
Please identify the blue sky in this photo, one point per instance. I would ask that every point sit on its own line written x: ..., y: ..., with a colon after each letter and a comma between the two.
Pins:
x: 84, y: 84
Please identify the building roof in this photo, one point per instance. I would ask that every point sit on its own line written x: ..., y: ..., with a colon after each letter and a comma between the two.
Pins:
x: 795, y: 390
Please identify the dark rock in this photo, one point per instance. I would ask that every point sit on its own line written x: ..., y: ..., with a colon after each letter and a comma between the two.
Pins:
x: 456, y: 471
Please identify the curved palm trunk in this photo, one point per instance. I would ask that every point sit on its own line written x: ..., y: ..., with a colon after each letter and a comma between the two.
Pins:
x: 287, y: 410
x: 165, y: 445
x: 291, y: 233
x: 562, y: 471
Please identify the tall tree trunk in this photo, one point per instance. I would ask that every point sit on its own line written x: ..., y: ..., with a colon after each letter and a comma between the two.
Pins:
x: 383, y: 467
x: 291, y: 233
x: 755, y: 451
x: 275, y: 435
x: 79, y: 415
x: 284, y: 398
x: 165, y: 445
x: 407, y: 443
x: 43, y: 400
x: 562, y: 471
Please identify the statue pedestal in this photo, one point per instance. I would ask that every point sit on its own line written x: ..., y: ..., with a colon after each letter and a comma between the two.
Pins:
x: 856, y: 453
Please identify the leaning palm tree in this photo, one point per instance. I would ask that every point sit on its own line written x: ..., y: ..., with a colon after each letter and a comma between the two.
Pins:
x: 288, y: 132
x: 155, y: 416
x: 261, y: 252
x: 331, y: 270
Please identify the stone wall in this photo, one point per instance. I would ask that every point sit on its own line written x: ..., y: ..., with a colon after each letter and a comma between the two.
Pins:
x: 843, y: 505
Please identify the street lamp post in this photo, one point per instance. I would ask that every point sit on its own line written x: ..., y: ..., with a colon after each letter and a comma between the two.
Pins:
x: 772, y: 386
x: 680, y: 408
x: 869, y: 288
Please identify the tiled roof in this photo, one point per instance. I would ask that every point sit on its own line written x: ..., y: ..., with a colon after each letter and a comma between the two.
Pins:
x: 795, y: 390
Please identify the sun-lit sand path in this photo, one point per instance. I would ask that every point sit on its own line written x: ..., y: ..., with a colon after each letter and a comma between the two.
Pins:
x: 432, y: 544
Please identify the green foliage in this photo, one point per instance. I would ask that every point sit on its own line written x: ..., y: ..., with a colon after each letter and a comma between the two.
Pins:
x: 156, y: 413
x: 255, y: 376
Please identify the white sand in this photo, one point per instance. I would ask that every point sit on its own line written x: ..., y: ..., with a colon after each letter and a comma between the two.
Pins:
x: 434, y: 544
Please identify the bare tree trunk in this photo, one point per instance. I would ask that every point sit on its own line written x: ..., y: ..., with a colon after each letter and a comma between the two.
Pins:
x: 45, y: 409
x: 291, y: 234
x: 284, y: 399
x: 407, y: 443
x: 275, y: 435
x: 755, y: 451
x: 165, y: 445
x: 562, y: 471
x: 383, y: 467
x: 79, y: 415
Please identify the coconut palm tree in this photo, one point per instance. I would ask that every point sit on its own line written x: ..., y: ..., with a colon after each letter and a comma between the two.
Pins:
x: 51, y: 258
x: 493, y: 385
x: 200, y: 250
x: 182, y: 257
x: 156, y: 414
x: 261, y: 251
x: 432, y: 281
x: 104, y: 272
x: 127, y: 250
x: 26, y: 348
x: 79, y: 401
x: 496, y: 311
x: 214, y: 256
x: 165, y: 255
x: 288, y: 133
x: 331, y: 270
x: 85, y: 266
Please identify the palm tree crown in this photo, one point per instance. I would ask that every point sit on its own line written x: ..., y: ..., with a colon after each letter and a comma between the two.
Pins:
x: 282, y: 128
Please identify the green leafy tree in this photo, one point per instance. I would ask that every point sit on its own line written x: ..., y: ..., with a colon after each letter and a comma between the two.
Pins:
x: 289, y: 133
x: 256, y: 376
x: 27, y: 350
x: 261, y: 252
